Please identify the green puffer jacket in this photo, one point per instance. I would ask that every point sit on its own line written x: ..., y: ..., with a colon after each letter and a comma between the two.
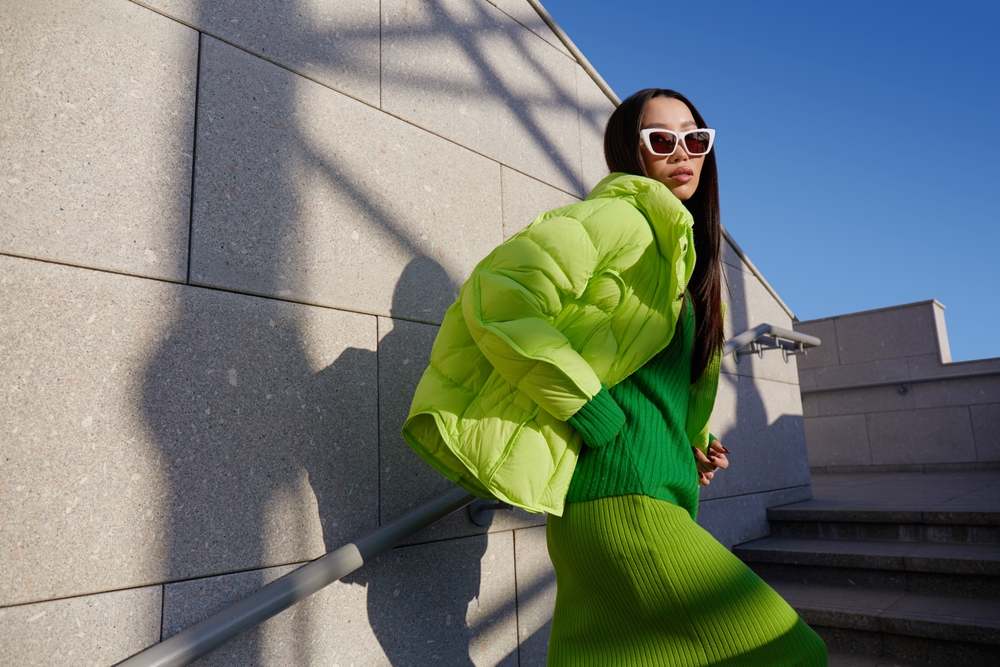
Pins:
x: 584, y: 296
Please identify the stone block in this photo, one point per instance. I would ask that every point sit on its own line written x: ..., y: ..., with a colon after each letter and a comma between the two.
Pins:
x: 406, y: 480
x: 986, y: 428
x: 595, y: 109
x: 838, y: 441
x: 525, y: 198
x: 93, y: 630
x: 826, y: 354
x: 468, y: 72
x: 536, y: 595
x: 444, y: 603
x: 744, y: 518
x: 335, y: 43
x: 731, y: 257
x: 929, y: 365
x: 860, y: 401
x: 937, y: 435
x: 305, y: 194
x: 807, y: 380
x: 525, y: 14
x: 749, y: 305
x: 863, y: 373
x: 329, y: 628
x: 155, y: 432
x: 887, y: 333
x: 450, y: 602
x: 970, y: 391
x: 97, y: 125
x: 760, y: 422
x: 810, y: 406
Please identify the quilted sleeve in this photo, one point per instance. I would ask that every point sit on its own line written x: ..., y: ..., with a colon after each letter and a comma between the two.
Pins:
x: 515, y: 298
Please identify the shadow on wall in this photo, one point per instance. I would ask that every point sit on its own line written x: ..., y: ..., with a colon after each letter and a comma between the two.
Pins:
x: 265, y: 411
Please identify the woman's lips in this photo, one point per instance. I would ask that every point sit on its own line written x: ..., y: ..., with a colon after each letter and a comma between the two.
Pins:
x: 681, y: 175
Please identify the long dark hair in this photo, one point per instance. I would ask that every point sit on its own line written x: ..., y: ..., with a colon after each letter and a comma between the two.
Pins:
x: 621, y: 150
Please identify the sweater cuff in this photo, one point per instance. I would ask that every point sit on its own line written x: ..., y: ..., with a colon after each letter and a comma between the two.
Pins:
x: 599, y: 420
x: 711, y: 438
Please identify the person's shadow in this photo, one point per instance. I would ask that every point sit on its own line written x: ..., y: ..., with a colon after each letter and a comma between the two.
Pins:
x: 419, y: 597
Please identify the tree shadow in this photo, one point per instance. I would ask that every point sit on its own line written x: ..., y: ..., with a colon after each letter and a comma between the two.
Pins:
x: 266, y: 411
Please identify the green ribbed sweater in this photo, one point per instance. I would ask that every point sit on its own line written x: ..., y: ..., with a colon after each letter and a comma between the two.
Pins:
x: 635, y: 432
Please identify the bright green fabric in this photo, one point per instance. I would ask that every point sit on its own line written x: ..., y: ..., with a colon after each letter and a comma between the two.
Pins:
x: 599, y: 420
x: 583, y: 296
x: 639, y: 584
x: 651, y: 454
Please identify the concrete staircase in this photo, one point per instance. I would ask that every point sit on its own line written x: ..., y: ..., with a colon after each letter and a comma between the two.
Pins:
x: 892, y: 568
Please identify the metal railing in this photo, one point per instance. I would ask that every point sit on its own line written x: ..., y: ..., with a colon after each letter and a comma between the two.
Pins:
x: 204, y: 637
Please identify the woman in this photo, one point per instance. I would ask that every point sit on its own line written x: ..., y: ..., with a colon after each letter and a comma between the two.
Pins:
x: 576, y: 375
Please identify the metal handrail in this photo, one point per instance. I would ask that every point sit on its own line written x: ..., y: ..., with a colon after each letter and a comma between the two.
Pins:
x: 188, y: 645
x: 204, y: 637
x: 776, y: 337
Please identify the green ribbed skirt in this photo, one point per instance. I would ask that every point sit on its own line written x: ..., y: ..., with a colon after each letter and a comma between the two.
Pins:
x: 640, y: 583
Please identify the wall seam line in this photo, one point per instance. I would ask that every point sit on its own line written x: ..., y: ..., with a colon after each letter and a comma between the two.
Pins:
x: 194, y: 159
x: 517, y: 596
x: 378, y: 421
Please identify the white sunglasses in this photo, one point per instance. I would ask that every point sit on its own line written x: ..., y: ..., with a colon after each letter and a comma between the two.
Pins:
x: 664, y: 142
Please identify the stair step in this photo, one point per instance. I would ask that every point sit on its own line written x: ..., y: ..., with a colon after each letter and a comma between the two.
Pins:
x: 962, y: 570
x: 841, y: 659
x: 976, y: 559
x: 925, y: 629
x: 840, y: 519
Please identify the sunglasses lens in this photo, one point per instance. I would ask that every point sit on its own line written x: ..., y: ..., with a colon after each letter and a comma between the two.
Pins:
x: 662, y: 143
x: 697, y: 143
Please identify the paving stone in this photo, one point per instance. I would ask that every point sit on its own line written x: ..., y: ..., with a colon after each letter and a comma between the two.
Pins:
x: 921, y: 436
x: 156, y: 431
x: 97, y: 149
x: 536, y: 595
x: 837, y: 441
x: 305, y: 194
x: 93, y: 630
x: 525, y: 198
x: 335, y: 43
x: 468, y: 72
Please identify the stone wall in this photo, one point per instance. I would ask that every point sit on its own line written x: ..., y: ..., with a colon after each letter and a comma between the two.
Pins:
x: 882, y: 393
x: 228, y: 233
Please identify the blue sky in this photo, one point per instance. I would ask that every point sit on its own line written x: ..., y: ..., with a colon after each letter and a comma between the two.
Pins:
x: 858, y: 143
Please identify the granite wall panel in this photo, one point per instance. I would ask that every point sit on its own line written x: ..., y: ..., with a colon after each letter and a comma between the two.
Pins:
x: 87, y: 631
x: 936, y: 435
x: 449, y: 603
x: 525, y: 198
x: 536, y: 595
x: 155, y: 432
x: 986, y: 429
x: 304, y: 194
x: 97, y: 125
x: 334, y: 42
x: 468, y: 72
x: 838, y: 441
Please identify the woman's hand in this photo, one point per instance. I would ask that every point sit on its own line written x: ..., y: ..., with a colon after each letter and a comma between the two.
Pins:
x: 707, y: 465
